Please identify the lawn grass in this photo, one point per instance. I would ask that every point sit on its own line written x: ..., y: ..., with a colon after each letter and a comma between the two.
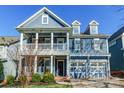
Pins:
x: 39, y: 86
x: 50, y: 86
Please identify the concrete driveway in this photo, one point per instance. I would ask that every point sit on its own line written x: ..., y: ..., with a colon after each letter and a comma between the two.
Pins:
x: 110, y: 83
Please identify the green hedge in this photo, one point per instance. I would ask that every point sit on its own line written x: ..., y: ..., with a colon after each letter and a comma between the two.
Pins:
x: 36, y: 77
x: 10, y: 80
x: 23, y: 80
x: 1, y: 68
x: 48, y: 78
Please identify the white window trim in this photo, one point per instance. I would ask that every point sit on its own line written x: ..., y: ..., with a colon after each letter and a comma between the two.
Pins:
x: 43, y: 18
x: 77, y: 39
x: 96, y: 30
x: 98, y: 48
x: 78, y: 29
x: 122, y: 40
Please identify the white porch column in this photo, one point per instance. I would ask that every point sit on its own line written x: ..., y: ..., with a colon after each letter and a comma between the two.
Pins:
x: 21, y: 41
x: 52, y: 40
x: 107, y: 46
x: 36, y: 41
x: 51, y: 64
x: 67, y: 66
x: 67, y: 40
x: 20, y: 59
x: 36, y: 48
x: 108, y: 66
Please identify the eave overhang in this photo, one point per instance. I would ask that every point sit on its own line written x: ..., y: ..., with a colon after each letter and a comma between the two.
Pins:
x: 89, y: 36
x: 27, y: 30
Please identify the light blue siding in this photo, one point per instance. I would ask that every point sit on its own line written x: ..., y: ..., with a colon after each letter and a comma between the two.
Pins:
x: 37, y: 23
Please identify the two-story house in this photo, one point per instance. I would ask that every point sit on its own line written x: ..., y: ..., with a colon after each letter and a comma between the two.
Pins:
x: 63, y: 49
x: 116, y: 48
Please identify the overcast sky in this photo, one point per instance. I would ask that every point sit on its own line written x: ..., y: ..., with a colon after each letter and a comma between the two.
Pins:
x: 107, y: 16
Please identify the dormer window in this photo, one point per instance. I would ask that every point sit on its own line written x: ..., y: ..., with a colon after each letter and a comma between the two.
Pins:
x: 93, y: 27
x: 76, y: 27
x: 44, y: 19
x: 76, y: 30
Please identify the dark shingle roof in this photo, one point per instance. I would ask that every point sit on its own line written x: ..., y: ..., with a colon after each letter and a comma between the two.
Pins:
x: 119, y: 32
x: 5, y: 40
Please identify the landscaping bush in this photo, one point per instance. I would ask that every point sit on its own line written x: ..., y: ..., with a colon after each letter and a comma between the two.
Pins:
x: 48, y: 77
x: 1, y: 68
x: 1, y: 71
x: 36, y: 77
x: 23, y: 80
x: 10, y: 80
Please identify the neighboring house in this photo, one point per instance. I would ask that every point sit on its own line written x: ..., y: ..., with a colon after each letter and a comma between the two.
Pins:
x: 8, y: 53
x: 62, y: 48
x: 116, y: 48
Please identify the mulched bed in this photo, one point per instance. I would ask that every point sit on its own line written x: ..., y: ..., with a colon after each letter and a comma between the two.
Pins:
x: 118, y: 74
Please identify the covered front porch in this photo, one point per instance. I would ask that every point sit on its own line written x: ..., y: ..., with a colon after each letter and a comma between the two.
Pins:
x: 55, y: 64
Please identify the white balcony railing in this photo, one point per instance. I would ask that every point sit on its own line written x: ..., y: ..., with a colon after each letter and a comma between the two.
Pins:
x: 46, y: 46
x: 29, y: 46
x: 60, y: 46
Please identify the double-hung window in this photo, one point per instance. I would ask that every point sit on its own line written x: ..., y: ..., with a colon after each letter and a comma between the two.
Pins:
x: 77, y: 44
x: 96, y: 44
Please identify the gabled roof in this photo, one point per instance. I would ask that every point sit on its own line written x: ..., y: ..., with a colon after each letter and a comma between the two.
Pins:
x: 6, y: 40
x: 116, y: 34
x: 93, y: 22
x: 76, y: 23
x: 44, y: 9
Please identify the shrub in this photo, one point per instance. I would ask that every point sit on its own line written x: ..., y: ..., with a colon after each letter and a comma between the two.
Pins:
x: 23, y: 80
x: 1, y: 68
x: 48, y: 77
x: 36, y: 77
x: 10, y: 80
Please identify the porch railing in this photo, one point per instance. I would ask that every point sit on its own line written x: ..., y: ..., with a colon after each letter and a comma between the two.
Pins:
x: 44, y: 46
x: 47, y: 46
x: 91, y: 52
x: 59, y: 46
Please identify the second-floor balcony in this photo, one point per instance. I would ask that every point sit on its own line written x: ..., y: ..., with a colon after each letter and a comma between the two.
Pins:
x: 45, y: 49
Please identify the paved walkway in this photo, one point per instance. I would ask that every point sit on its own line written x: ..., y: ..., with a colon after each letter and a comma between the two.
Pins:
x: 111, y: 83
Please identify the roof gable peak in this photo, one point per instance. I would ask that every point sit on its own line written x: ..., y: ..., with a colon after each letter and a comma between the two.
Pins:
x: 44, y: 9
x: 93, y: 22
x: 76, y: 22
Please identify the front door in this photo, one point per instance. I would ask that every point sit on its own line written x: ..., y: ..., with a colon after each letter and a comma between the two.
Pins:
x: 60, y: 67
